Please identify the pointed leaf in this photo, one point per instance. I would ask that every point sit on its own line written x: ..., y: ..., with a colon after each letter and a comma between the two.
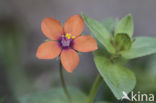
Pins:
x: 125, y: 26
x: 142, y: 46
x: 99, y: 31
x: 109, y: 24
x: 117, y: 77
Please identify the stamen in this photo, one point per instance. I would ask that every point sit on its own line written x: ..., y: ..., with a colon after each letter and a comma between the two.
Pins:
x: 66, y: 40
x: 73, y: 37
x: 69, y: 36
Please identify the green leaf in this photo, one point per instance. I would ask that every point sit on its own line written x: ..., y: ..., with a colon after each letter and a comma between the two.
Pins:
x: 122, y: 42
x: 117, y: 77
x: 54, y: 96
x: 151, y: 66
x: 125, y: 26
x: 142, y: 46
x: 109, y: 24
x: 99, y: 31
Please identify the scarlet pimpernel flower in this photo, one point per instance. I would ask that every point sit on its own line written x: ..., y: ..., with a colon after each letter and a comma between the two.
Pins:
x: 65, y: 42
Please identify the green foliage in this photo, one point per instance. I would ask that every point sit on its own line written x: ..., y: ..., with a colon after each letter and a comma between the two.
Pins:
x: 122, y: 42
x: 99, y: 31
x: 142, y: 46
x: 118, y: 77
x: 54, y: 96
x: 109, y: 24
x: 125, y: 26
x: 151, y: 66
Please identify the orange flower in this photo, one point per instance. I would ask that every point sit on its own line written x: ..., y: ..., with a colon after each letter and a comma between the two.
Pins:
x: 64, y: 41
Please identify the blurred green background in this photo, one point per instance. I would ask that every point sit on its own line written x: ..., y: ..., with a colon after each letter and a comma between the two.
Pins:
x: 22, y: 73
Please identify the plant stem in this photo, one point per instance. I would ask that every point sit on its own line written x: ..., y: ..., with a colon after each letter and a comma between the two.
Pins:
x: 94, y: 89
x: 64, y: 85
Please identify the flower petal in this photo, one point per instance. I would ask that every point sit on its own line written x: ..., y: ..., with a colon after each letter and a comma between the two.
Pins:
x: 51, y: 28
x: 74, y: 25
x: 85, y: 43
x: 69, y: 59
x: 48, y: 50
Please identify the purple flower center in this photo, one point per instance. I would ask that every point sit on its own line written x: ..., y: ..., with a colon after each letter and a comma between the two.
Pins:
x: 66, y: 40
x: 65, y: 43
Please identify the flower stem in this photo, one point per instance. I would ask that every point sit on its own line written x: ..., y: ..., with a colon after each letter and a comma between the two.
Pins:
x: 94, y: 89
x: 64, y: 85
